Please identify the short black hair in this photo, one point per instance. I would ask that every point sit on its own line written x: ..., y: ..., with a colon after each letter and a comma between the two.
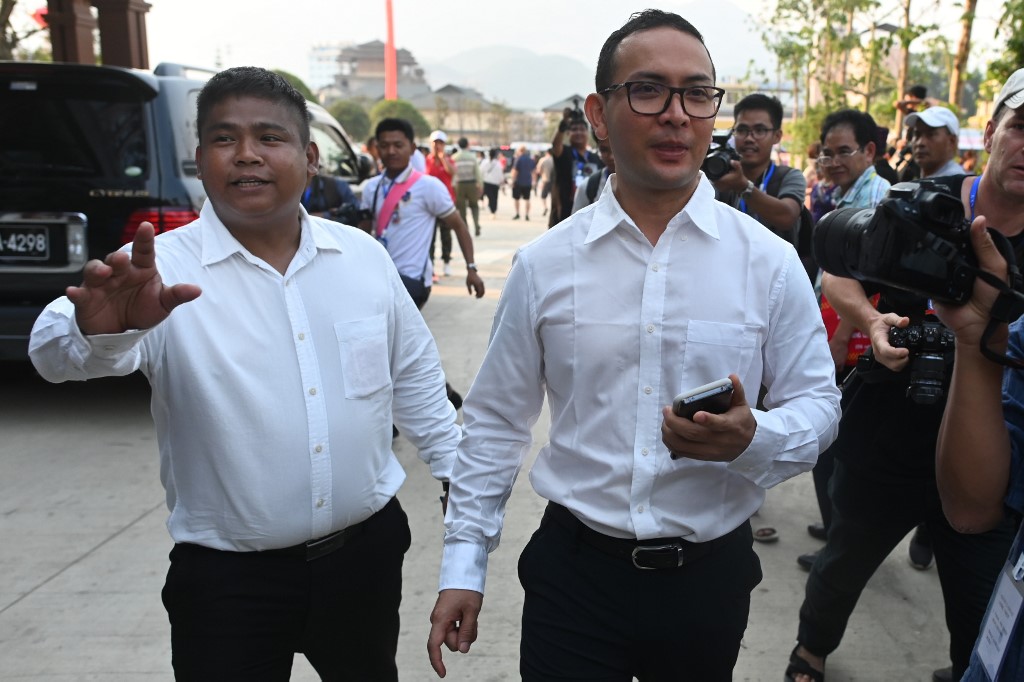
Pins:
x: 760, y: 102
x: 463, y: 143
x: 862, y: 124
x: 918, y: 91
x: 252, y: 81
x: 388, y: 125
x: 640, y: 21
x: 493, y: 153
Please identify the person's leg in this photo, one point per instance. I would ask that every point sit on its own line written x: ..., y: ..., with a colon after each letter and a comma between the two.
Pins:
x: 352, y: 630
x: 233, y: 615
x: 870, y: 515
x: 474, y: 207
x: 968, y: 567
x: 515, y: 200
x: 461, y: 199
x: 822, y: 473
x: 526, y: 199
x: 446, y: 243
x: 591, y: 616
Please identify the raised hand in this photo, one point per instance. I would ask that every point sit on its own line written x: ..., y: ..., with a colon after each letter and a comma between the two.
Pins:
x: 125, y: 291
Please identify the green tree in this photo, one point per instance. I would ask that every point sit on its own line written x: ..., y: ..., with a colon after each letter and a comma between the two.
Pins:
x: 297, y: 84
x: 353, y: 118
x: 1011, y: 25
x: 399, y: 108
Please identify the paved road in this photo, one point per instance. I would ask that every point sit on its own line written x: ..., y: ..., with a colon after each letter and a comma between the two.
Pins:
x: 84, y: 548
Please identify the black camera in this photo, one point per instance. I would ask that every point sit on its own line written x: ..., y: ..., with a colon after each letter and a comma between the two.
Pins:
x: 915, y: 239
x: 931, y: 347
x: 351, y: 214
x: 720, y: 156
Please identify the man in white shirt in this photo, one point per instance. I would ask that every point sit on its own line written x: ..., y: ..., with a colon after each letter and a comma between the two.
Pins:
x: 273, y: 396
x: 404, y: 221
x: 643, y: 564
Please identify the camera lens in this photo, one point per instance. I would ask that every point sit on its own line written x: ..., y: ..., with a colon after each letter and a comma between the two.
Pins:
x: 836, y: 241
x: 716, y: 166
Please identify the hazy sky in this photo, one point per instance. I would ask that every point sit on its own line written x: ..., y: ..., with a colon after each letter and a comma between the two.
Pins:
x: 278, y: 33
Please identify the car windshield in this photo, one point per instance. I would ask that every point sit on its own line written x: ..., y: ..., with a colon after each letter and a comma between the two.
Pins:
x: 65, y: 131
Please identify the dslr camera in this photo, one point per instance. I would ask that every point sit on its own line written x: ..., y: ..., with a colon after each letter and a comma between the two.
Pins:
x: 931, y: 347
x: 720, y: 156
x: 916, y: 239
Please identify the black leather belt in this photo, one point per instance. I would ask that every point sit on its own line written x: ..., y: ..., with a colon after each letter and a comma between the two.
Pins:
x: 328, y: 544
x: 656, y: 553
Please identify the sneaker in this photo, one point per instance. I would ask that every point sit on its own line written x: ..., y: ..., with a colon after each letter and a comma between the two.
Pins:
x: 447, y: 269
x: 817, y: 531
x: 921, y: 555
x: 943, y: 674
x: 527, y: 216
x: 478, y: 232
x: 515, y: 217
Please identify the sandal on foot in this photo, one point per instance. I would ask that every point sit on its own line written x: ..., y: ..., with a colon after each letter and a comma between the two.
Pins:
x: 766, y: 534
x: 799, y: 666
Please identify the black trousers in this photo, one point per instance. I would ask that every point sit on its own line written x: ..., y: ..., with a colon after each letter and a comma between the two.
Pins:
x: 446, y: 241
x: 591, y: 616
x: 871, y: 513
x: 243, y: 615
x: 491, y: 192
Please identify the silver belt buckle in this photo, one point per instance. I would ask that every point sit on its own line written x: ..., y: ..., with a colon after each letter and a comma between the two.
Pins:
x: 644, y: 549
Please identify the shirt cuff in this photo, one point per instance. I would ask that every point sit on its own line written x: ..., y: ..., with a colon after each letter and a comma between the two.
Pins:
x: 463, y: 567
x: 756, y: 462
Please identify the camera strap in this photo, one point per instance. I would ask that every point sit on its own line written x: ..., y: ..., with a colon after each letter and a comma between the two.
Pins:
x: 1008, y: 306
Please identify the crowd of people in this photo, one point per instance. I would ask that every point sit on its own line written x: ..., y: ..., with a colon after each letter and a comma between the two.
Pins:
x: 276, y: 403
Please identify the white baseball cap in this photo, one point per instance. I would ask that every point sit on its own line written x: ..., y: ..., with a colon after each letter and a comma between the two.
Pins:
x: 1012, y: 94
x: 936, y: 117
x: 438, y: 135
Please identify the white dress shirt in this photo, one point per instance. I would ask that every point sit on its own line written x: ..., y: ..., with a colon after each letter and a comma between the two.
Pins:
x: 274, y: 395
x: 611, y: 328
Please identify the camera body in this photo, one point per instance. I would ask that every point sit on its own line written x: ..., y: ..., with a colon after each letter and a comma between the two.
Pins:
x: 916, y: 239
x: 931, y: 347
x: 351, y: 214
x: 720, y: 156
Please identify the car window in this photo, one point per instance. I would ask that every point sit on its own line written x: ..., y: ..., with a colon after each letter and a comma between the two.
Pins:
x: 336, y: 157
x: 72, y: 132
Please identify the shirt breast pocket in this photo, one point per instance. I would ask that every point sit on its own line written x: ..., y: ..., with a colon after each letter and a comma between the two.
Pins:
x: 714, y: 350
x: 363, y: 345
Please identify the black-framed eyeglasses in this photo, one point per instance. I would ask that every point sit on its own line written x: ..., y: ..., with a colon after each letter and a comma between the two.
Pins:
x: 757, y: 132
x: 826, y: 160
x: 651, y: 99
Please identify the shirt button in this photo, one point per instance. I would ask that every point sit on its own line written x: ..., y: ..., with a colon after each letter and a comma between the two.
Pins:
x: 650, y: 329
x: 318, y: 449
x: 640, y: 509
x: 654, y: 267
x: 302, y: 337
x: 644, y: 452
x: 320, y: 503
x: 648, y: 390
x: 312, y: 391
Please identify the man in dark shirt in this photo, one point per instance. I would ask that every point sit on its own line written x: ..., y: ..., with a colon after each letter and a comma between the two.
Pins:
x: 573, y: 163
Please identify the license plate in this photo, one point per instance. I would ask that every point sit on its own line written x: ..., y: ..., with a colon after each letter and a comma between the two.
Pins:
x: 24, y: 243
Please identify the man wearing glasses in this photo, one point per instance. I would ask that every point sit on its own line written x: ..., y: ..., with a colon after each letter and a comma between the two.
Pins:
x: 770, y: 193
x: 643, y: 564
x: 848, y: 151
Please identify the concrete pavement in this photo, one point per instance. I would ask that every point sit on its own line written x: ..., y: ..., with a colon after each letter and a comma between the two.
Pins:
x: 84, y: 548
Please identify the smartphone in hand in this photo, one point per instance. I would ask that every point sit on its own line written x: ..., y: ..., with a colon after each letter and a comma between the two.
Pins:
x: 715, y: 397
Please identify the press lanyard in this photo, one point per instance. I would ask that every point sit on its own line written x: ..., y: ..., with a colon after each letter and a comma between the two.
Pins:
x: 767, y: 177
x: 974, y: 194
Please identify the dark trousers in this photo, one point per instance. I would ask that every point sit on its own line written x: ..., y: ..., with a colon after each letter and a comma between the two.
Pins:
x: 595, y: 617
x: 446, y: 241
x: 243, y: 615
x: 871, y: 513
x: 491, y: 192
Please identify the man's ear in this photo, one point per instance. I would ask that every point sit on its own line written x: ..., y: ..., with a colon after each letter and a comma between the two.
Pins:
x: 594, y: 108
x: 869, y: 151
x: 990, y: 130
x: 199, y: 161
x: 312, y: 159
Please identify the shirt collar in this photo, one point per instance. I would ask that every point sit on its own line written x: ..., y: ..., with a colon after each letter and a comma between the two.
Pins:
x: 864, y: 179
x: 699, y: 211
x: 219, y: 244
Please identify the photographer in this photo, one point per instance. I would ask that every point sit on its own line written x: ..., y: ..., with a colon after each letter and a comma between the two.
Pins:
x: 771, y: 194
x: 573, y: 163
x: 329, y: 196
x: 885, y: 475
x: 981, y: 441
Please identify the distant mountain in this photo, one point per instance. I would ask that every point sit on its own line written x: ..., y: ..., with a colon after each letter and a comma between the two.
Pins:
x: 510, y: 74
x: 523, y: 79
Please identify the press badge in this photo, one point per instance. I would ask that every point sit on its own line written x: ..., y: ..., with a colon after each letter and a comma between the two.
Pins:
x: 1004, y: 612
